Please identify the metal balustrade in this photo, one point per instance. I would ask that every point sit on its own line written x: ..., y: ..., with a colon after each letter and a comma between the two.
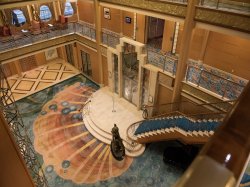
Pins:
x: 165, y: 61
x: 226, y: 88
x: 242, y: 6
x: 27, y: 38
x: 110, y: 38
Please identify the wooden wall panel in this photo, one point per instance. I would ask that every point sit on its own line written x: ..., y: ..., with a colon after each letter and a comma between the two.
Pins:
x: 196, y: 43
x: 141, y: 28
x: 40, y: 59
x: 128, y: 28
x: 9, y: 69
x: 228, y: 53
x: 114, y: 23
x: 86, y: 11
x: 168, y: 36
x: 164, y: 96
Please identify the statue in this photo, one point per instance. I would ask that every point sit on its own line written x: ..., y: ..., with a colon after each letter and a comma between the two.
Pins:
x: 117, y: 147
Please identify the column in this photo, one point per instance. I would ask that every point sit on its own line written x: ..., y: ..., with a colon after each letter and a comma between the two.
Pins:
x: 76, y: 61
x: 98, y: 39
x: 184, y: 49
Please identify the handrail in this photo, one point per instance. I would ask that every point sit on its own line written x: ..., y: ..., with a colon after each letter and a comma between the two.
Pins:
x: 200, y: 72
x: 204, y: 70
x: 237, y: 5
x: 203, y: 104
x: 88, y: 101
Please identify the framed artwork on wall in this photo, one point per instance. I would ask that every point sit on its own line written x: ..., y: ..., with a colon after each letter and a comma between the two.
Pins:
x: 51, y: 54
x: 106, y: 13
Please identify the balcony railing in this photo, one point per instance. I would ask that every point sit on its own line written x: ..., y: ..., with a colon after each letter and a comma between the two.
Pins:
x: 27, y: 38
x: 110, y: 38
x: 227, y: 5
x: 86, y: 29
x: 164, y: 61
x: 223, y: 84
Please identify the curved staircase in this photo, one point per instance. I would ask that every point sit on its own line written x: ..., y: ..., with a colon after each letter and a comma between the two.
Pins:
x: 177, y: 127
x: 179, y: 121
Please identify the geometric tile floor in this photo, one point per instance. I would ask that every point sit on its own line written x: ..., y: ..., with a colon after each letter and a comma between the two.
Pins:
x: 39, y: 78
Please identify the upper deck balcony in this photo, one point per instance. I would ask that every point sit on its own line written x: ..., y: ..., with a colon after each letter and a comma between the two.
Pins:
x: 232, y: 14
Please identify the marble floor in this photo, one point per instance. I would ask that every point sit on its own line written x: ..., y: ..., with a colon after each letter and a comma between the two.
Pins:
x: 40, y: 78
x: 116, y: 111
x: 71, y: 156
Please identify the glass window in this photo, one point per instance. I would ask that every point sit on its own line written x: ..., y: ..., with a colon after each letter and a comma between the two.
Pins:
x: 18, y: 18
x: 68, y: 11
x: 45, y: 14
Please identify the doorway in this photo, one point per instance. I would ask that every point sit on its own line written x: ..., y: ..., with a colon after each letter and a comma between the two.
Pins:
x: 86, y: 64
x: 130, y: 68
x: 69, y: 53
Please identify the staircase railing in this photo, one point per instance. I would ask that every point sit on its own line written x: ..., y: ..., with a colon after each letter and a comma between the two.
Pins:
x: 200, y: 111
x: 225, y: 157
x: 186, y: 107
x: 199, y: 116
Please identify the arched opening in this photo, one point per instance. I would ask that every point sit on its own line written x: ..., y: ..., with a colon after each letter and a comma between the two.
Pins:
x: 18, y: 18
x: 45, y: 13
x: 68, y: 11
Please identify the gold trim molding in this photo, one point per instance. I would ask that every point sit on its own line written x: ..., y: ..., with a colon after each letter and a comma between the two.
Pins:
x: 169, y: 8
x: 230, y: 20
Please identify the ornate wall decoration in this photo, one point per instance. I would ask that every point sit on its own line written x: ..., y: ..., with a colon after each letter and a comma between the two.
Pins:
x: 169, y: 8
x: 222, y: 18
x: 222, y: 83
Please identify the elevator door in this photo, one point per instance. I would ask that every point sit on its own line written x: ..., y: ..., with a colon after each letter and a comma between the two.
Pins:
x: 130, y: 76
x: 86, y: 64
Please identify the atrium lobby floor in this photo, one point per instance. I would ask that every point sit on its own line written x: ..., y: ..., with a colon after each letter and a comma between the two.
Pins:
x: 71, y: 156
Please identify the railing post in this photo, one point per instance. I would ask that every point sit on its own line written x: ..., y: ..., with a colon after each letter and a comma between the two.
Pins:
x: 217, y: 4
x: 164, y: 63
x: 224, y: 93
x: 198, y: 83
x: 187, y: 74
